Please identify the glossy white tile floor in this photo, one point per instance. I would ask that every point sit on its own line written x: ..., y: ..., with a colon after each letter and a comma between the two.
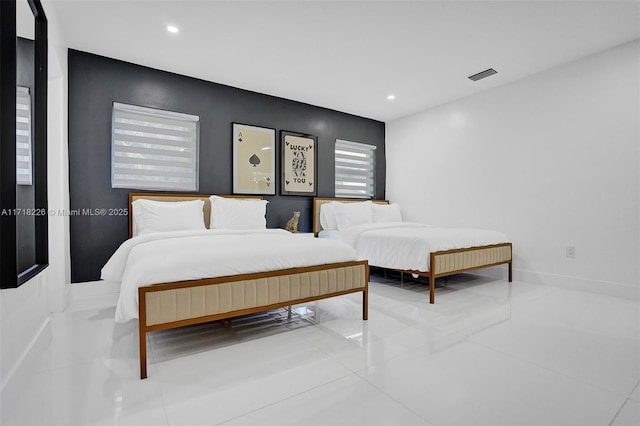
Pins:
x: 487, y: 353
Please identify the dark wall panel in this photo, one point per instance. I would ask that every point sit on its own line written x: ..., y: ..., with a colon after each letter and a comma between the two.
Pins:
x: 96, y: 82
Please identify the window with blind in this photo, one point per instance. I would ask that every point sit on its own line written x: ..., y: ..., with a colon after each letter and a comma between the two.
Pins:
x: 154, y: 149
x: 355, y: 169
x: 23, y: 136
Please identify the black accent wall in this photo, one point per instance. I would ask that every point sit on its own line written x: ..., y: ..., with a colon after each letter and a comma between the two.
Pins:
x: 95, y: 82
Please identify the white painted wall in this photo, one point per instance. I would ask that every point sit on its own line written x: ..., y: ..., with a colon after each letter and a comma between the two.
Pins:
x: 551, y: 160
x: 25, y: 312
x: 58, y: 172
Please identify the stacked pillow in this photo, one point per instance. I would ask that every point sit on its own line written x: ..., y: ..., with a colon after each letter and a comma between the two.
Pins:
x: 161, y: 216
x: 386, y: 213
x: 348, y: 215
x: 328, y: 216
x: 226, y: 213
x: 238, y: 213
x: 340, y: 216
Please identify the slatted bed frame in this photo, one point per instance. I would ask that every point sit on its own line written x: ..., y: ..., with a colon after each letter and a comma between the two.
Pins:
x: 442, y: 263
x: 176, y: 304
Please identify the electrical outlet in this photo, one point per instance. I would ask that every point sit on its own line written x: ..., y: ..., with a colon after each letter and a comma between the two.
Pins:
x: 571, y: 252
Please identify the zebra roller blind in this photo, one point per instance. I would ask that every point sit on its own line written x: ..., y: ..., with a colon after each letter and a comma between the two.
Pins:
x: 23, y: 136
x: 154, y: 149
x: 355, y: 169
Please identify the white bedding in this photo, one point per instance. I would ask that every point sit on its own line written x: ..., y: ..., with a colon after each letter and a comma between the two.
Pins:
x: 407, y: 245
x: 190, y: 255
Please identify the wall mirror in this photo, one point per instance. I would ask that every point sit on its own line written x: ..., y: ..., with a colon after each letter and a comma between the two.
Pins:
x: 23, y: 120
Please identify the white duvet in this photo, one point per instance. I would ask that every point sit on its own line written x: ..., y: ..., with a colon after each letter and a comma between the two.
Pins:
x: 190, y: 255
x: 407, y: 245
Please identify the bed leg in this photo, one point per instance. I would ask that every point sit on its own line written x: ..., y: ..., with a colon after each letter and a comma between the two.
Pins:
x: 432, y: 289
x: 401, y: 279
x: 365, y: 305
x: 432, y: 278
x: 365, y: 293
x: 510, y: 272
x: 289, y: 313
x: 143, y: 351
x: 142, y: 331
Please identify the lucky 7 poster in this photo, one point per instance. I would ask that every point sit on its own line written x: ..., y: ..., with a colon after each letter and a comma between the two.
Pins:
x: 253, y: 160
x: 298, y: 164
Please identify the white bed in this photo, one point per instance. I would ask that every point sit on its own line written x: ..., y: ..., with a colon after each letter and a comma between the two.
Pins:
x: 406, y: 246
x: 378, y: 234
x: 194, y: 258
x: 188, y: 255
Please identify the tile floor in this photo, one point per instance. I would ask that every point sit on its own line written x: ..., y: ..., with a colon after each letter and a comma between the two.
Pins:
x: 487, y: 353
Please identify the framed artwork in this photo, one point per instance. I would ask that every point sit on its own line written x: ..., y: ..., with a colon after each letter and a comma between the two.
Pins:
x: 299, y: 172
x: 254, y: 159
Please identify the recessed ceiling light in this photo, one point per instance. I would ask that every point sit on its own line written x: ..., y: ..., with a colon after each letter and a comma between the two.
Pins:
x: 391, y: 97
x: 172, y: 29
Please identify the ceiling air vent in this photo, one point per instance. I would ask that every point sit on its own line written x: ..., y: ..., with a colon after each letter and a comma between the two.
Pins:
x: 483, y: 74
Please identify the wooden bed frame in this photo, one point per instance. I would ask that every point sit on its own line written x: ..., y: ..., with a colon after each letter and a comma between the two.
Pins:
x: 442, y: 263
x: 176, y: 304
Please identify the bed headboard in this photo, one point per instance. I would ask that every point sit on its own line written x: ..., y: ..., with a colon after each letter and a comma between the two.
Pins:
x: 317, y: 202
x: 179, y: 197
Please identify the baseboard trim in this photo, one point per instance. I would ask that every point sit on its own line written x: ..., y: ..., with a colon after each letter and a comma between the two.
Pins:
x: 91, y: 289
x: 608, y: 288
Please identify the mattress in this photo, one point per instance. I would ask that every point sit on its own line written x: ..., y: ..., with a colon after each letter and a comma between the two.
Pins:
x: 191, y: 255
x: 407, y: 245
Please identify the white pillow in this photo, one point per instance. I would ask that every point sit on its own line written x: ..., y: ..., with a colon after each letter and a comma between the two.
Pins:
x: 238, y: 213
x: 352, y: 214
x: 328, y: 216
x: 386, y: 213
x: 163, y: 216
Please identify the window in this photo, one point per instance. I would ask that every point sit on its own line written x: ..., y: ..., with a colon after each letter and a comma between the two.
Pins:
x: 23, y: 136
x: 355, y: 169
x: 154, y: 149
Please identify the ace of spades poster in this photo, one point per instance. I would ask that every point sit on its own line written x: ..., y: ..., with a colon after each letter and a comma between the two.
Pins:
x: 253, y: 159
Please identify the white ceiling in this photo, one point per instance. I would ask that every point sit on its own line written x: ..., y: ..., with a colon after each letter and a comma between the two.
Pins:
x: 349, y: 55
